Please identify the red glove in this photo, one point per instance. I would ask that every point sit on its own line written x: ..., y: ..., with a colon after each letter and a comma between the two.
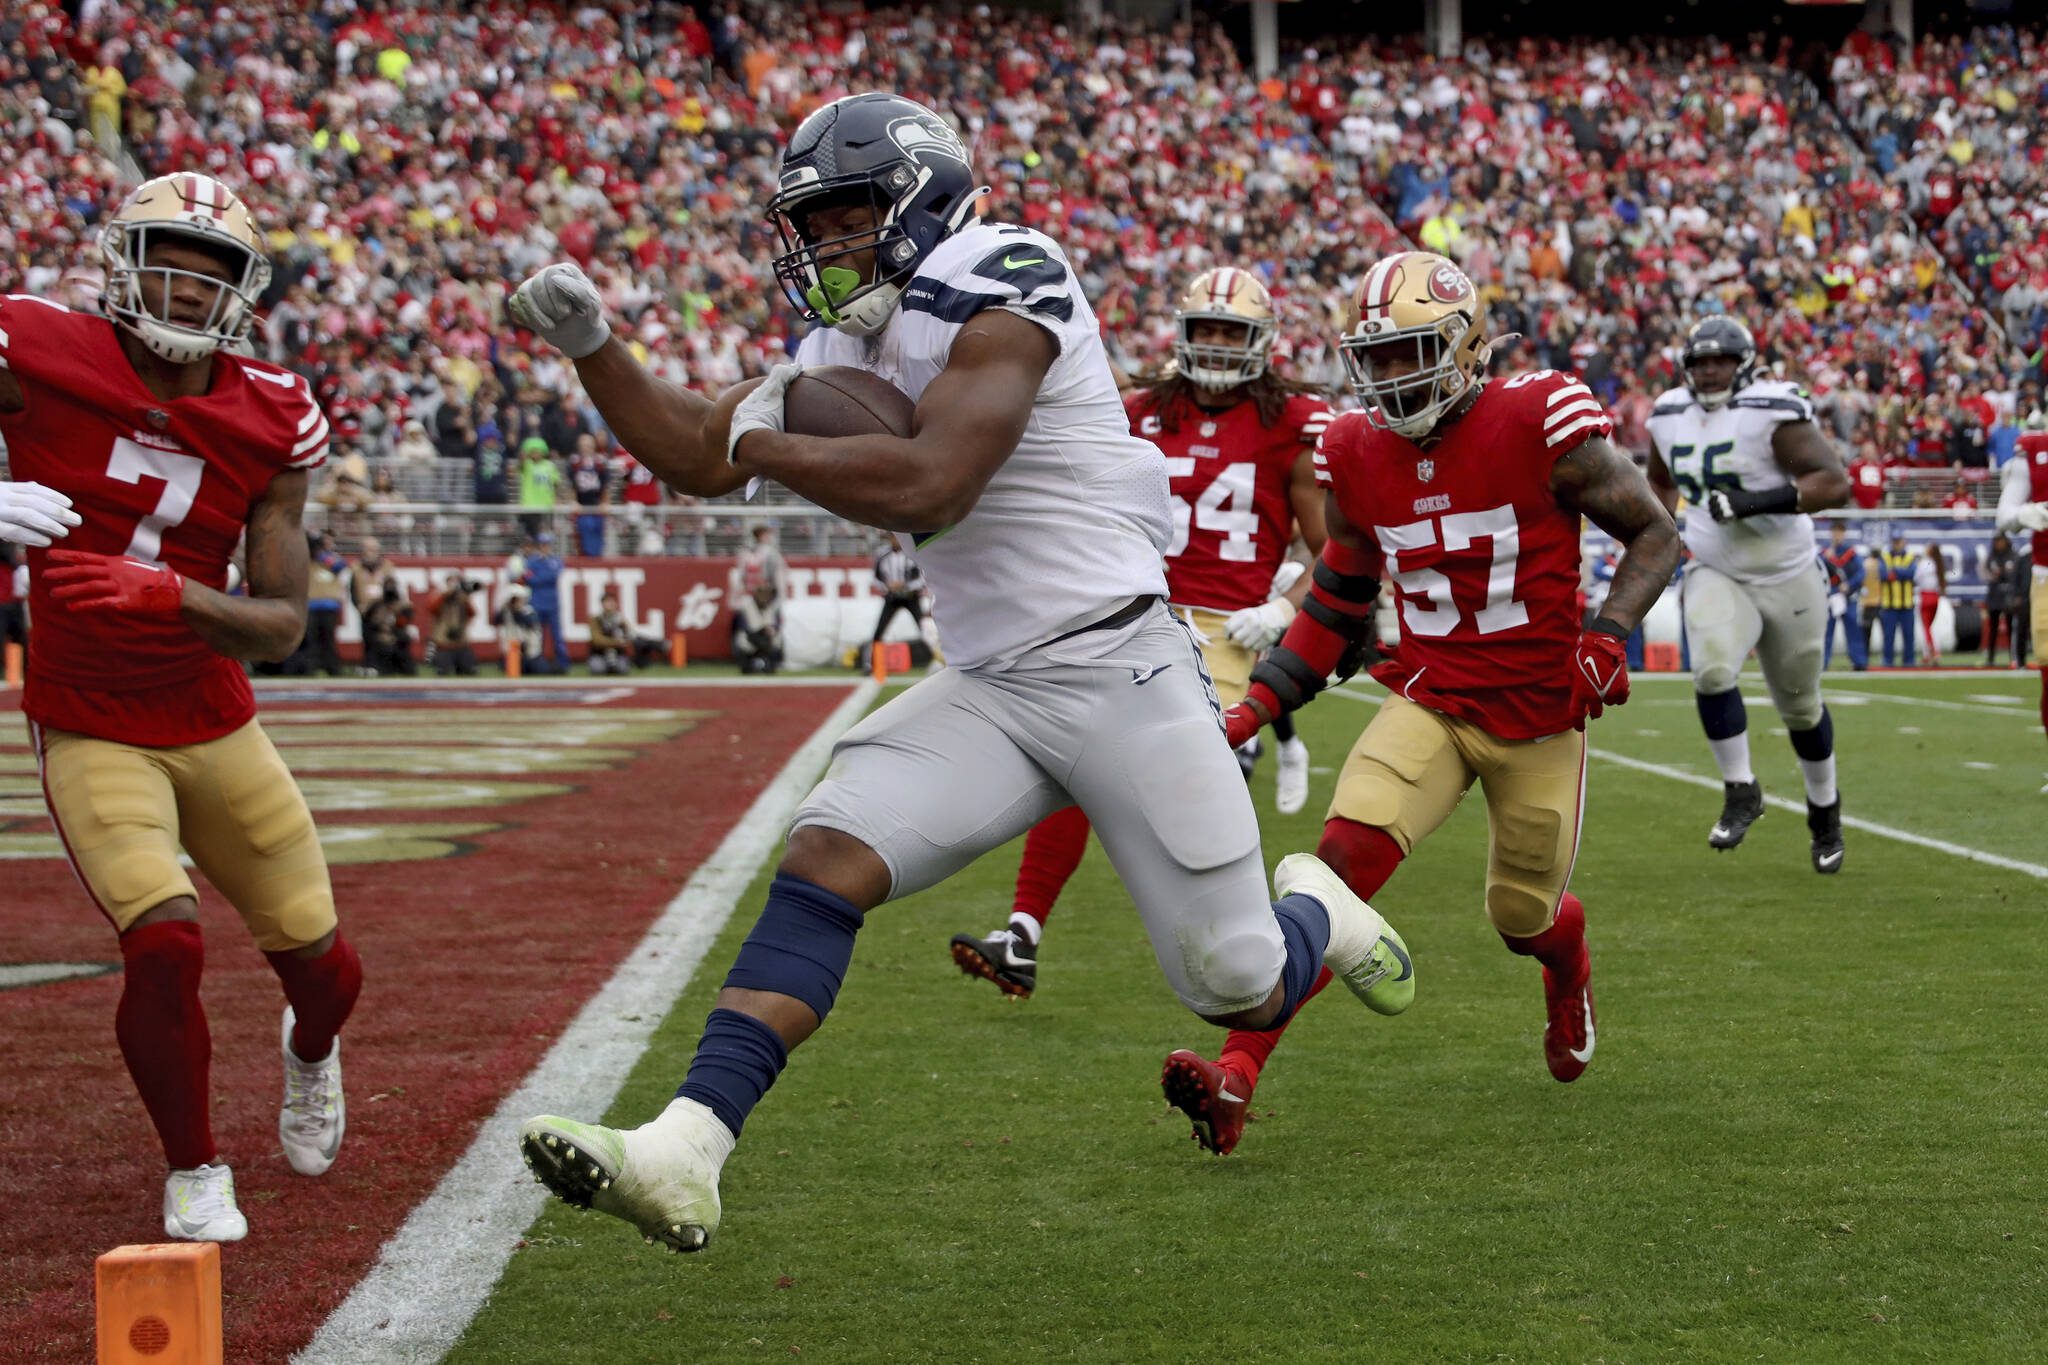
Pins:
x: 1599, y: 670
x: 89, y: 582
x: 1240, y: 723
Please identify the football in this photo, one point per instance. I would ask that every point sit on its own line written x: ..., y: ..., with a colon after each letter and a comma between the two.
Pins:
x: 839, y: 400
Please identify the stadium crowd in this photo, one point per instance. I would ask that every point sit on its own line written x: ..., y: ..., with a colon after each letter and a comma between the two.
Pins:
x: 410, y: 160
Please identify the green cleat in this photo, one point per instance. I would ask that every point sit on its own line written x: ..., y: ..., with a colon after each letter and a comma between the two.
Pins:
x: 1365, y: 951
x: 661, y: 1177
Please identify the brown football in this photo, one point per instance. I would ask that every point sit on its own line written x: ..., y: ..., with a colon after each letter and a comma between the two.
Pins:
x: 839, y: 400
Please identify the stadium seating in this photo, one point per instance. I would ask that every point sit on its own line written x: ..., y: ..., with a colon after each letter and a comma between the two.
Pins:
x: 409, y: 162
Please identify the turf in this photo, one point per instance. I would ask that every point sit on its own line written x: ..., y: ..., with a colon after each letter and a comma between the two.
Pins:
x: 1811, y: 1132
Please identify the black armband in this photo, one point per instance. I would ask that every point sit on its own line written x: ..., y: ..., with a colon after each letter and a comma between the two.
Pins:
x: 1607, y: 627
x: 1770, y: 502
x: 1288, y: 676
x: 1348, y: 587
x: 1352, y: 628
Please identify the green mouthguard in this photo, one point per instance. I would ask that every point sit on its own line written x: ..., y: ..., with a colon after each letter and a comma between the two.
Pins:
x: 835, y: 282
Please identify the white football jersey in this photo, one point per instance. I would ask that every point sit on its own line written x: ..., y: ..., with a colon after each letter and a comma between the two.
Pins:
x: 1730, y: 447
x: 1075, y: 522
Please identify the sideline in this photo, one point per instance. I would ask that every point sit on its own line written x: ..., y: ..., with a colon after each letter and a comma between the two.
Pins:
x: 437, y: 1270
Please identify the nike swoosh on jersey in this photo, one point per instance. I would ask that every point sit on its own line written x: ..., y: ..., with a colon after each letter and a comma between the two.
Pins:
x: 1139, y: 677
x: 1009, y: 264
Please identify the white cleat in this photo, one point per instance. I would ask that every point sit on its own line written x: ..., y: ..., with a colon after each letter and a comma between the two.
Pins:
x: 1365, y: 951
x: 661, y: 1177
x: 1292, y: 790
x: 199, y: 1206
x: 314, y: 1115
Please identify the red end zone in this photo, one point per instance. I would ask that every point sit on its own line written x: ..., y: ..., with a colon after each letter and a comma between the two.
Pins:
x: 495, y: 852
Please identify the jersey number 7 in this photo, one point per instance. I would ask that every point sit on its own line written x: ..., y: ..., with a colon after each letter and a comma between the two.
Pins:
x: 1696, y: 487
x: 132, y: 462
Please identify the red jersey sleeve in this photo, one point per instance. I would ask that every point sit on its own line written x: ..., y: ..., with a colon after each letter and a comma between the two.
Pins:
x: 296, y: 429
x: 1338, y: 442
x: 1562, y: 409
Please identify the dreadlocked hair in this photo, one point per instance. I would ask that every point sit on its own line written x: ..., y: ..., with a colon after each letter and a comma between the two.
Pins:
x: 1172, y: 396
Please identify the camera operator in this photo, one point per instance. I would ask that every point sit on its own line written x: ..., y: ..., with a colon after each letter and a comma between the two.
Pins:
x: 453, y: 611
x: 388, y: 632
x: 611, y: 639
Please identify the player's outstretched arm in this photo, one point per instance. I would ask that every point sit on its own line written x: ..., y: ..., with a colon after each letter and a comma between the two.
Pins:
x: 677, y: 433
x: 1601, y: 483
x: 967, y: 423
x: 270, y: 621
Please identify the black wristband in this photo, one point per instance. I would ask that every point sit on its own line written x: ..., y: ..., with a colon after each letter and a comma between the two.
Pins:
x: 1770, y: 502
x: 1607, y: 627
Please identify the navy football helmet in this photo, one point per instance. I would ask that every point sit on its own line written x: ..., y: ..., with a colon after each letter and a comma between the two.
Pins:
x: 892, y: 155
x: 1717, y: 336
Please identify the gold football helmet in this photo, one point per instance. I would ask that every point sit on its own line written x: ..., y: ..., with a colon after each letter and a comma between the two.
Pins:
x: 1225, y: 294
x: 197, y: 209
x: 1417, y: 342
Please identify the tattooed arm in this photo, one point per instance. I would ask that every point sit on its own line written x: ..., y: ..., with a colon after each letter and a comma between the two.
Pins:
x: 1601, y: 483
x: 271, y: 620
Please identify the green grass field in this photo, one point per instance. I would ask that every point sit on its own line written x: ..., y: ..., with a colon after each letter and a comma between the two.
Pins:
x: 1813, y: 1131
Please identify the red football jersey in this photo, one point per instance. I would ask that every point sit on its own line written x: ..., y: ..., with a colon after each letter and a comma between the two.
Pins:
x: 1228, y: 474
x: 2033, y: 448
x: 169, y: 480
x: 1485, y: 564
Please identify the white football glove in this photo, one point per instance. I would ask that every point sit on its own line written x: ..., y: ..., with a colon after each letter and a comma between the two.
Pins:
x: 31, y: 514
x: 1838, y: 604
x: 563, y: 306
x: 760, y: 410
x: 1260, y: 627
x: 2034, y: 516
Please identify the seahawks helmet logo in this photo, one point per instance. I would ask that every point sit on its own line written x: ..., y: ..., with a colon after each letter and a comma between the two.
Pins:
x: 918, y: 135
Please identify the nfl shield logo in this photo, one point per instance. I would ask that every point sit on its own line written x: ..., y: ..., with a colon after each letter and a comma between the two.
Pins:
x: 1425, y: 470
x: 1208, y: 428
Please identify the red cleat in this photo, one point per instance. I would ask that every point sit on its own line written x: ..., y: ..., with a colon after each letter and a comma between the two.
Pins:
x: 1214, y: 1099
x: 1568, y: 1037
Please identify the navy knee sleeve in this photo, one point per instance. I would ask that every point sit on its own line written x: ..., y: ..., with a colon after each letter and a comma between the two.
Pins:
x: 1305, y: 928
x: 1819, y: 742
x: 800, y: 946
x: 1722, y: 713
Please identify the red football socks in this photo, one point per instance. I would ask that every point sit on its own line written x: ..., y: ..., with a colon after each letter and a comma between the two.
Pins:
x: 164, y: 1040
x: 322, y: 990
x: 1365, y: 856
x: 1052, y: 851
x: 1561, y: 947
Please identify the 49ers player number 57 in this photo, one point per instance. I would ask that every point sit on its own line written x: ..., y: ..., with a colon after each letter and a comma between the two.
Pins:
x: 145, y: 452
x: 1467, y: 493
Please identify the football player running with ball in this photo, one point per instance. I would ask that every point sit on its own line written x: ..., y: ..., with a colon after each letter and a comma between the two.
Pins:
x: 1039, y: 520
x: 143, y: 449
x: 1751, y: 462
x: 1239, y: 444
x: 1467, y: 492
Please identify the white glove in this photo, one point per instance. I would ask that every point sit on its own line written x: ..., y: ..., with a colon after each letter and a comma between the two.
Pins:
x: 1838, y: 604
x: 31, y: 514
x: 2034, y: 516
x: 1260, y: 627
x: 563, y: 306
x: 760, y: 410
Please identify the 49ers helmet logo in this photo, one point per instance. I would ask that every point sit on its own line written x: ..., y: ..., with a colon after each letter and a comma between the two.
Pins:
x: 1447, y: 284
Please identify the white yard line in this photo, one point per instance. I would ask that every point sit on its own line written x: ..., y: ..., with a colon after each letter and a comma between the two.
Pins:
x: 1904, y: 836
x: 437, y: 1270
x: 1930, y: 703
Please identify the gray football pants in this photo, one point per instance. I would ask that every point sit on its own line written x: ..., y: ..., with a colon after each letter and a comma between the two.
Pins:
x: 1784, y: 622
x: 1123, y: 723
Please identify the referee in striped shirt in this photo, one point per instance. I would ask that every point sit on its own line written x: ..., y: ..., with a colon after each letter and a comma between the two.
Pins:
x: 902, y: 585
